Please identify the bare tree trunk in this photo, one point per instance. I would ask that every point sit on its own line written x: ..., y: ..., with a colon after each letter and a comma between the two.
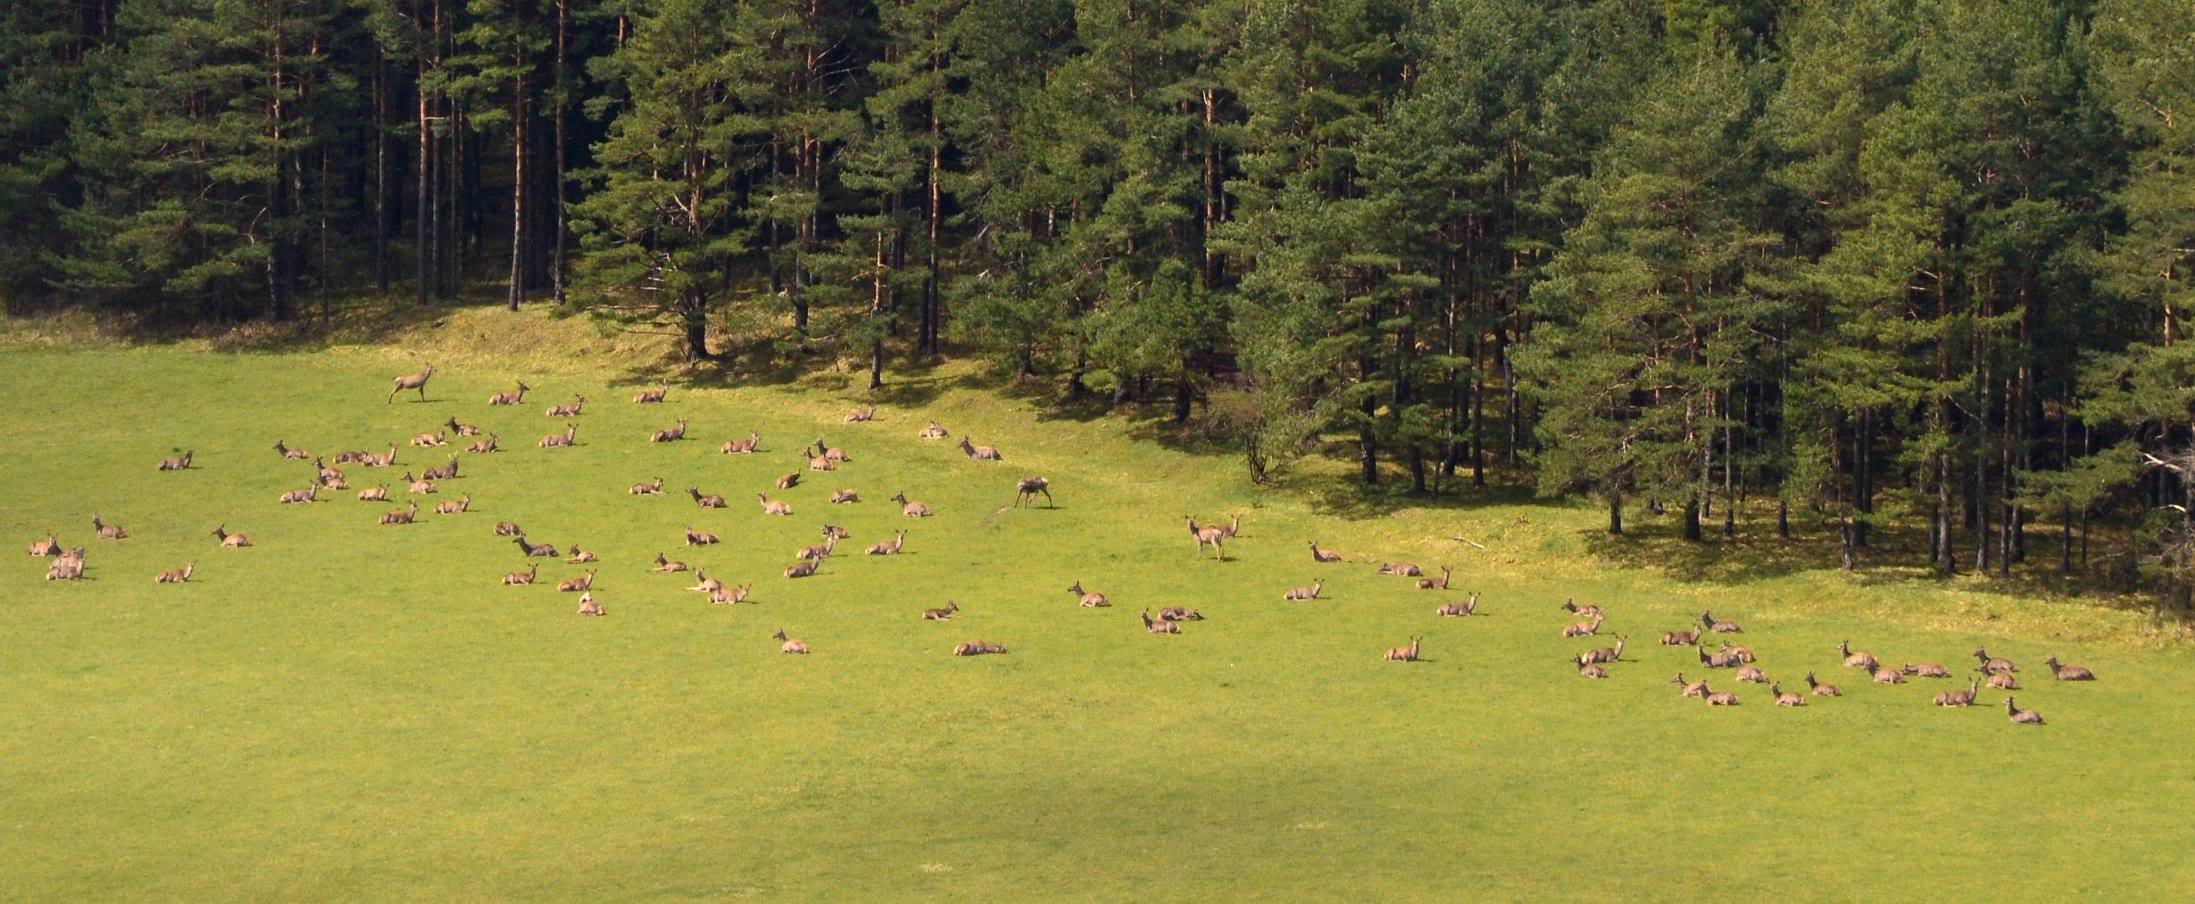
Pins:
x: 518, y: 190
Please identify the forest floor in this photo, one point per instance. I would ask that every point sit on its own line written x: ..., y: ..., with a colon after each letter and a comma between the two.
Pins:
x: 353, y: 710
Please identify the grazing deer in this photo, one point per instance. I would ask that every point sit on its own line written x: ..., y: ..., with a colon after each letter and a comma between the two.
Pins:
x: 461, y: 506
x: 229, y: 540
x: 1819, y: 689
x: 416, y: 381
x: 1784, y: 699
x: 1752, y: 675
x: 1719, y: 626
x: 1587, y: 669
x: 377, y: 494
x: 508, y: 529
x: 705, y: 500
x: 2068, y: 672
x: 652, y: 396
x: 1680, y: 639
x: 1466, y: 608
x: 977, y: 648
x: 861, y: 415
x: 667, y: 565
x: 1960, y: 698
x: 579, y: 556
x: 651, y: 488
x: 934, y: 431
x: 1027, y: 488
x: 1087, y: 598
x: 178, y: 463
x: 1991, y: 664
x: 1161, y: 626
x: 587, y: 605
x: 1889, y: 676
x: 844, y: 496
x: 669, y: 434
x: 1863, y: 661
x: 1304, y: 593
x: 909, y: 507
x: 522, y: 578
x: 1689, y: 688
x: 291, y: 454
x: 889, y: 547
x: 544, y: 550
x: 1608, y: 654
x: 1430, y: 584
x: 830, y: 544
x: 803, y: 568
x: 1718, y: 698
x: 771, y: 507
x: 308, y: 494
x: 1572, y: 607
x: 728, y: 596
x: 105, y: 531
x: 979, y: 453
x: 832, y: 453
x: 1401, y: 569
x: 950, y: 608
x: 788, y: 644
x: 569, y: 409
x: 1926, y: 670
x: 482, y: 447
x: 416, y: 485
x: 50, y: 546
x: 404, y: 517
x: 2021, y: 716
x: 461, y: 428
x: 699, y: 537
x: 818, y: 464
x: 1322, y: 556
x: 742, y: 446
x: 1179, y: 614
x: 1207, y: 536
x: 574, y: 585
x: 514, y: 397
x: 176, y: 575
x: 561, y: 440
x: 1582, y: 629
x: 1404, y: 654
x: 437, y: 438
x: 2004, y: 681
x: 788, y: 481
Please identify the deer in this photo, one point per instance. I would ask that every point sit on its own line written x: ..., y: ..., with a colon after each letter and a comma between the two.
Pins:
x: 1718, y: 698
x: 861, y: 415
x: 401, y: 517
x: 803, y: 568
x: 1466, y: 608
x: 1232, y: 527
x: 1960, y: 698
x: 544, y: 550
x: 105, y: 531
x: 382, y: 459
x: 1587, y: 669
x: 789, y: 645
x: 574, y: 585
x: 68, y: 566
x: 514, y: 397
x: 942, y: 614
x: 2021, y: 716
x: 416, y: 485
x: 652, y: 396
x: 1680, y: 639
x: 437, y: 438
x: 522, y: 578
x: 833, y: 453
x: 1401, y: 569
x: 669, y: 434
x: 705, y: 500
x: 461, y: 428
x: 290, y: 454
x: 1430, y: 584
x: 1322, y: 556
x: 977, y: 648
x: 1583, y: 629
x: 1607, y: 654
x: 178, y: 463
x: 979, y: 453
x: 2068, y: 672
x: 1741, y: 654
x: 909, y: 507
x: 1087, y: 598
x: 788, y: 481
x: 742, y: 446
x: 1404, y: 654
x: 336, y: 484
x: 934, y: 431
x: 461, y: 506
x: 2004, y: 681
x: 325, y: 474
x: 1689, y: 688
x: 579, y: 556
x: 50, y: 546
x: 1991, y: 664
x: 293, y: 497
x: 1027, y: 488
x: 668, y: 565
x: 344, y: 458
x: 699, y: 537
x: 1179, y: 614
x: 1718, y: 660
x: 1926, y: 670
x: 1207, y: 536
x: 835, y: 532
x: 1863, y: 661
x: 176, y: 575
x: 889, y: 547
x: 1161, y: 626
x: 446, y: 471
x: 568, y: 409
x: 1819, y: 689
x: 1784, y: 699
x: 1752, y: 675
x: 483, y: 447
x: 841, y: 497
x: 587, y: 605
x: 561, y: 440
x: 229, y: 540
x: 1304, y: 593
x: 1889, y: 676
x: 772, y: 507
x: 818, y: 464
x: 508, y: 529
x: 830, y: 543
x: 1572, y: 607
x: 650, y: 488
x: 376, y: 494
x: 729, y: 596
x: 416, y: 381
x: 1719, y: 626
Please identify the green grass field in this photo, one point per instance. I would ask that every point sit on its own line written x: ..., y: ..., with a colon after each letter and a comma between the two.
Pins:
x: 349, y: 710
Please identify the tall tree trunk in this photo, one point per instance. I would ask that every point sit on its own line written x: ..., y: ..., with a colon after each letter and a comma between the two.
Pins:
x: 424, y: 221
x: 518, y: 189
x: 380, y: 171
x: 562, y: 225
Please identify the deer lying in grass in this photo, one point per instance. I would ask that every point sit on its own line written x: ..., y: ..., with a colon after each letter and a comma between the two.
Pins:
x: 461, y: 506
x: 2004, y: 681
x: 667, y: 564
x: 308, y: 494
x: 375, y: 494
x: 803, y: 569
x: 105, y: 531
x: 1322, y: 556
x: 568, y: 409
x: 1960, y: 698
x: 522, y: 578
x: 1087, y: 598
x: 1741, y: 653
x: 1689, y: 688
x: 730, y: 595
x: 787, y: 644
x: 818, y: 464
x: 1404, y: 654
x: 1680, y: 639
x: 50, y: 546
x: 909, y: 507
x: 178, y: 463
x: 889, y: 547
x: 1718, y: 698
x: 839, y: 497
x: 336, y: 484
x: 1027, y: 488
x: 344, y: 458
x: 508, y: 529
x: 835, y: 532
x: 669, y: 434
x: 788, y: 481
x: 651, y: 488
x: 941, y: 614
x: 1889, y: 676
x: 861, y: 415
x: 1161, y: 626
x: 1466, y: 608
x: 575, y: 585
x: 705, y: 584
x: 1752, y: 675
x: 68, y: 566
x: 773, y: 507
x: 1179, y: 614
x: 483, y: 447
x: 2021, y: 716
x: 1582, y: 629
x: 977, y: 648
x: 437, y: 438
x: 1719, y: 626
x: 1572, y: 607
x: 979, y: 453
x: 2068, y: 672
x: 587, y: 605
x: 830, y: 544
x: 699, y: 537
x: 934, y: 431
x: 561, y: 440
x: 416, y: 381
x: 1607, y: 654
x: 1992, y: 665
x: 1587, y: 669
x: 229, y: 540
x: 406, y: 516
x: 290, y: 454
x: 831, y: 453
x: 1718, y: 660
x: 1784, y: 699
x: 705, y: 500
x: 447, y: 471
x: 380, y: 459
x: 1208, y: 536
x: 1304, y: 593
x: 461, y: 428
x: 1926, y: 670
x: 1865, y: 662
x: 652, y: 396
x: 1401, y: 569
x: 1430, y: 584
x: 544, y: 550
x: 742, y: 446
x: 416, y: 485
x: 176, y: 575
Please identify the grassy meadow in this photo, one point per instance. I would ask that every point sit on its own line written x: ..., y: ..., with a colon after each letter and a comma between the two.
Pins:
x: 353, y: 710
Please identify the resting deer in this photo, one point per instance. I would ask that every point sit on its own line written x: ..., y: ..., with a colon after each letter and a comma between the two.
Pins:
x: 1863, y: 661
x: 1689, y: 688
x: 835, y: 532
x: 832, y: 453
x: 818, y: 464
x: 1322, y: 556
x: 229, y: 540
x: 50, y: 546
x: 403, y: 517
x: 1404, y: 654
x: 1207, y: 536
x: 380, y: 459
x: 909, y: 507
x: 977, y: 648
x: 376, y: 494
x: 1401, y: 569
x: 1718, y: 698
x: 461, y: 428
x: 742, y: 446
x: 705, y: 584
x: 1304, y: 593
x: 1991, y: 664
x: 729, y: 596
x: 2021, y: 716
x: 1027, y: 488
x: 1784, y: 699
x: 934, y: 431
x: 308, y: 494
x: 804, y: 568
x: 1430, y: 584
x: 1582, y: 629
x: 840, y: 497
x: 1465, y: 608
x: 948, y: 611
x: 1718, y: 660
x: 824, y: 551
x: 1741, y: 653
x: 705, y: 500
x: 416, y: 485
x: 1889, y: 676
x: 461, y: 506
x: 1161, y: 626
x: 699, y: 537
x: 979, y: 453
x: 1819, y: 689
x: 416, y: 381
x: 1608, y: 654
x: 561, y: 440
x: 574, y: 585
x: 1960, y: 698
x: 652, y: 396
x: 587, y: 605
x: 69, y: 566
x: 1680, y: 639
x: 1752, y: 675
x: 289, y: 453
x: 1572, y: 607
x: 569, y: 409
x: 579, y: 556
x: 437, y: 438
x: 669, y: 434
x: 508, y: 529
x: 788, y: 644
x: 2068, y: 672
x: 178, y: 463
x: 105, y: 531
x: 1587, y: 669
x: 176, y: 575
x: 667, y: 565
x: 1926, y: 670
x: 772, y: 507
x: 1087, y: 598
x: 788, y: 481
x: 2004, y: 681
x: 442, y: 472
x: 1179, y: 614
x: 336, y: 484
x: 861, y: 415
x: 650, y: 488
x: 482, y: 447
x: 1719, y: 626
x: 344, y: 458
x: 544, y: 550
x: 522, y: 578
x: 889, y: 547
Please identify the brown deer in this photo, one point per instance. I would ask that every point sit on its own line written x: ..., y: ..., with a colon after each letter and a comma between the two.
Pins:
x: 1208, y: 536
x: 308, y: 494
x: 1582, y: 629
x: 522, y: 578
x: 1740, y: 653
x: 835, y: 532
x: 415, y: 485
x: 376, y: 494
x: 1926, y: 670
x: 652, y: 396
x: 461, y: 506
x: 1466, y: 608
x: 574, y: 585
x: 818, y: 464
x: 789, y: 645
x: 1784, y: 699
x: 804, y: 568
x: 889, y: 547
x: 561, y: 440
x: 1404, y: 654
x: 2068, y: 672
x: 934, y: 431
x: 1718, y: 698
x: 289, y: 453
x: 1719, y: 626
x: 1587, y: 669
x: 1607, y: 654
x: 651, y: 488
x: 1161, y: 626
x: 336, y: 484
x: 861, y: 415
x: 1960, y: 698
x: 1322, y: 556
x: 667, y: 565
x: 380, y: 459
x: 1401, y: 569
x: 416, y: 381
x: 1680, y: 639
x: 482, y: 447
x: 1689, y: 688
x: 572, y: 408
x: 1179, y: 614
x: 68, y: 566
x: 729, y: 596
x: 176, y: 575
x: 1718, y: 660
x: 587, y: 605
x: 2021, y: 716
x: 437, y: 438
x: 1232, y: 527
x: 1752, y: 675
x: 948, y: 611
x: 831, y: 453
x: 2004, y: 681
x: 1027, y: 488
x: 772, y: 507
x: 229, y: 540
x: 178, y: 463
x: 1865, y: 662
x: 105, y: 531
x: 1572, y: 607
x: 1819, y: 689
x: 507, y: 529
x: 703, y: 583
x: 1430, y: 584
x: 1304, y: 593
x: 544, y: 550
x: 1087, y: 598
x: 344, y: 458
x: 1889, y: 676
x: 742, y: 446
x: 977, y: 648
x: 669, y: 434
x: 909, y: 507
x: 1991, y: 664
x: 788, y: 481
x: 441, y: 472
x: 979, y: 453
x: 705, y: 500
x: 461, y: 428
x: 830, y: 544
x: 406, y: 516
x: 50, y: 546
x: 840, y: 497
x: 699, y: 537
x: 579, y: 556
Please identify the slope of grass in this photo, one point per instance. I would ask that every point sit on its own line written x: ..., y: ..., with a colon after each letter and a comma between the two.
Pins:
x: 352, y: 710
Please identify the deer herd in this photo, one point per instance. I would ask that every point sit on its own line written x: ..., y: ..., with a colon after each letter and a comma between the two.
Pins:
x: 68, y: 563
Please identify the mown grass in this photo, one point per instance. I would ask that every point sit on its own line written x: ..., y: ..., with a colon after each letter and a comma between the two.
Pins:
x: 350, y: 710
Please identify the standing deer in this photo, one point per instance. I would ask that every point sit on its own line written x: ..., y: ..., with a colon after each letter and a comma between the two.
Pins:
x: 652, y: 396
x: 669, y: 434
x: 178, y: 463
x: 522, y: 578
x: 979, y: 453
x: 909, y: 507
x: 789, y: 645
x: 1430, y: 584
x: 1322, y: 556
x: 651, y: 488
x: 889, y: 547
x: 1404, y: 654
x: 1456, y: 610
x: 561, y: 440
x: 1087, y: 598
x: 416, y: 381
x: 742, y: 446
x: 772, y: 507
x: 1304, y: 593
x: 1208, y: 536
x: 403, y: 517
x: 1027, y: 488
x: 229, y: 540
x: 514, y: 397
x: 176, y: 575
x: 105, y: 531
x: 941, y: 614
